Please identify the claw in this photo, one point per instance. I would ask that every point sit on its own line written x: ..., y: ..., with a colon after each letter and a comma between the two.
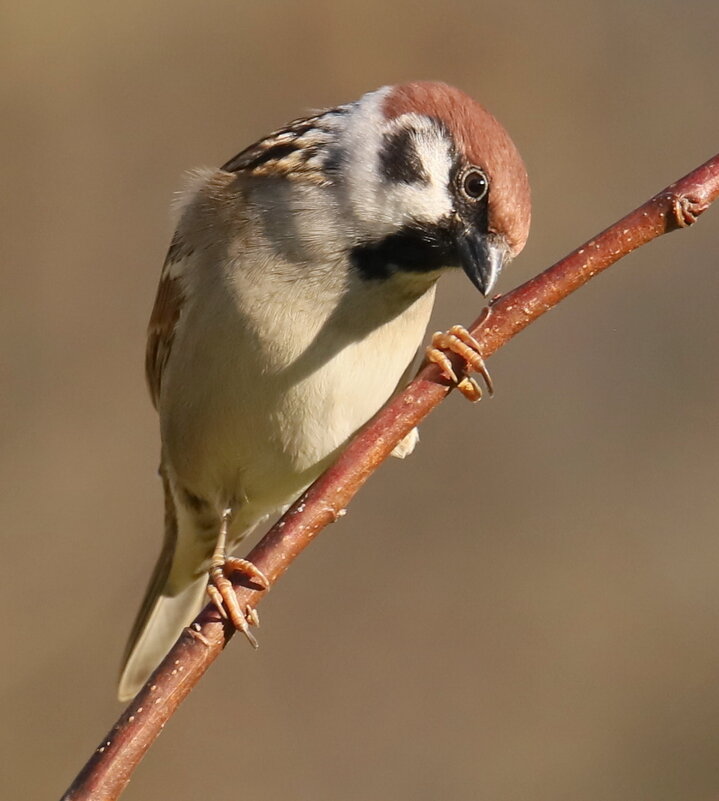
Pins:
x: 222, y: 595
x: 198, y: 635
x: 470, y: 389
x: 221, y: 591
x: 233, y: 564
x: 458, y: 340
x: 216, y: 597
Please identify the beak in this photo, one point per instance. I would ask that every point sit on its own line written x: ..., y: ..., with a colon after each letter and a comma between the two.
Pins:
x: 482, y: 259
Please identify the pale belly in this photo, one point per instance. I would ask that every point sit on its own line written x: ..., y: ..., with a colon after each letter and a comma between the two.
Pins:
x: 249, y: 436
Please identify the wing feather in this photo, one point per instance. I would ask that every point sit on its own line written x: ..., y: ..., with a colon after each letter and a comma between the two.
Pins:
x: 163, y: 320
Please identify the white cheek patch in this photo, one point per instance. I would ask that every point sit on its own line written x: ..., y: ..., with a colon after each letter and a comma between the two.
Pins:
x: 428, y: 200
x: 382, y: 206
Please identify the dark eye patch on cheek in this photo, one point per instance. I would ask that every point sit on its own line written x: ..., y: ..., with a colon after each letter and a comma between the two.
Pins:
x: 399, y: 160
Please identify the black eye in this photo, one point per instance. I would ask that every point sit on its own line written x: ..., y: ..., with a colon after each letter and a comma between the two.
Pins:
x: 475, y: 184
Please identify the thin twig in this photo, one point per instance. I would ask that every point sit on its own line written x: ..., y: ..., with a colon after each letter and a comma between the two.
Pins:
x: 109, y: 769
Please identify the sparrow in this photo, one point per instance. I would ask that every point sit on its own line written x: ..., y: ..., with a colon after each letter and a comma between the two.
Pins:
x: 295, y: 294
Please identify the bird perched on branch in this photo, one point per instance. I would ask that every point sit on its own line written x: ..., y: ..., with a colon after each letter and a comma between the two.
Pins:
x: 294, y: 296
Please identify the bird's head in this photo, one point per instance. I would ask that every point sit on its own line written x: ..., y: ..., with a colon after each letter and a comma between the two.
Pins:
x: 435, y: 181
x: 425, y: 177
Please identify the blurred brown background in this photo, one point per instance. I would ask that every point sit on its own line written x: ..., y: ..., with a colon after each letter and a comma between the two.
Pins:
x: 566, y: 531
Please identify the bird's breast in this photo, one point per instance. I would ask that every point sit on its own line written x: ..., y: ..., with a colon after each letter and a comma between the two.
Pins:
x: 257, y: 403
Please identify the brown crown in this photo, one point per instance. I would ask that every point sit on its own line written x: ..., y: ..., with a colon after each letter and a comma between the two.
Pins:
x: 484, y: 142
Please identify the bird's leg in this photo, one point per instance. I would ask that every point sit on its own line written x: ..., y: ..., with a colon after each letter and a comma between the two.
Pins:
x: 458, y: 340
x: 220, y: 587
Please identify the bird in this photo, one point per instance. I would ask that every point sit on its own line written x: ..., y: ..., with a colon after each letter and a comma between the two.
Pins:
x: 295, y: 294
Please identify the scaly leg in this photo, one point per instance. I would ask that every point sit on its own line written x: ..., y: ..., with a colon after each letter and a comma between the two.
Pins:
x: 458, y: 340
x: 220, y: 587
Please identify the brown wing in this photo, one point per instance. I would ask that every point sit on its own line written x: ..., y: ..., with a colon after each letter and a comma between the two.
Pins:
x: 165, y: 314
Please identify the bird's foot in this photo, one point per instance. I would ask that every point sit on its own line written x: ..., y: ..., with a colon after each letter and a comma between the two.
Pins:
x: 458, y: 340
x: 222, y: 593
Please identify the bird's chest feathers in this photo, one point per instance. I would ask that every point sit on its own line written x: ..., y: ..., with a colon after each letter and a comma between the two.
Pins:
x: 269, y: 378
x: 327, y: 365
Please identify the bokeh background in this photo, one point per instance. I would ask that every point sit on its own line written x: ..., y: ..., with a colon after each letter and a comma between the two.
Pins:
x: 528, y: 608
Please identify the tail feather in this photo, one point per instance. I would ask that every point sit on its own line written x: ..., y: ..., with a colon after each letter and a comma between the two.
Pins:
x: 163, y: 613
x: 161, y: 624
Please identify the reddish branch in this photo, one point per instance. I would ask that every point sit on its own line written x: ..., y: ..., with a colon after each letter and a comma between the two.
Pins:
x: 110, y: 767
